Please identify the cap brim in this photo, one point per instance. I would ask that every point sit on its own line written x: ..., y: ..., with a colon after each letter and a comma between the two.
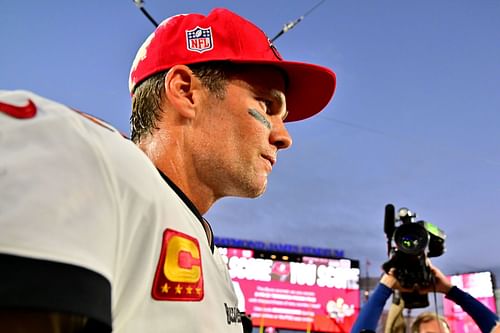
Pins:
x: 310, y: 87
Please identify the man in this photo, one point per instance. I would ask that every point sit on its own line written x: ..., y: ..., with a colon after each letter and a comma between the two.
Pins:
x: 426, y: 322
x: 99, y: 234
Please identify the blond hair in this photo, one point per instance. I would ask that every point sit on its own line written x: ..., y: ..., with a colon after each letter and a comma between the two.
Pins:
x: 426, y: 317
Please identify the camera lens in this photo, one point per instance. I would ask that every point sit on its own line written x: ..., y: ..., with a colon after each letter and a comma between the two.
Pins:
x: 411, y: 238
x: 409, y: 242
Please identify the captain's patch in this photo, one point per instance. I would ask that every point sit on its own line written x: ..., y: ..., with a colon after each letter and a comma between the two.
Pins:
x: 179, y: 276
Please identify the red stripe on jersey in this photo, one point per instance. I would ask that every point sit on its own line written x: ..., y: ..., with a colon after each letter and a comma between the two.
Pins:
x: 20, y: 112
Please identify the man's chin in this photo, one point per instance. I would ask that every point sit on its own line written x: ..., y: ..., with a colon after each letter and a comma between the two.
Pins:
x: 251, y: 189
x: 257, y: 191
x: 262, y: 190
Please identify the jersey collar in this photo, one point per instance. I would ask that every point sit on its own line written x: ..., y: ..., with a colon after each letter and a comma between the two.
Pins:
x: 192, y: 207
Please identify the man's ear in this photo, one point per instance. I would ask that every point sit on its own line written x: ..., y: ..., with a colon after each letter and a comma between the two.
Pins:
x: 182, y: 90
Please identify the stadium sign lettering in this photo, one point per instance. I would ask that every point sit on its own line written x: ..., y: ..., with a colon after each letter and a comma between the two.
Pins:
x: 279, y: 247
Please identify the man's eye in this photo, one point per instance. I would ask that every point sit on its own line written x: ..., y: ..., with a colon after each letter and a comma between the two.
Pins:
x: 268, y: 106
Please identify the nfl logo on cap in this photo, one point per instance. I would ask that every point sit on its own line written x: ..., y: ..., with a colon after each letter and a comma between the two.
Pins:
x: 199, y: 39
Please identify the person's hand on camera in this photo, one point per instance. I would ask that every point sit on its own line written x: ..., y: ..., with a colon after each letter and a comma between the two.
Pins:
x: 390, y: 281
x: 442, y: 283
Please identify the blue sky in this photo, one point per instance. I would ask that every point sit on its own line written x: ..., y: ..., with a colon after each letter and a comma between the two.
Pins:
x: 413, y: 122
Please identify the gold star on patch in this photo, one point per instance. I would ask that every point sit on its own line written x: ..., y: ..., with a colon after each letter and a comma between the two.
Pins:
x: 189, y: 290
x: 165, y: 288
x: 178, y: 289
x: 198, y: 291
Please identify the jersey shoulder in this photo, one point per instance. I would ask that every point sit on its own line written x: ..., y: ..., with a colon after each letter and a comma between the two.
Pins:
x: 20, y: 106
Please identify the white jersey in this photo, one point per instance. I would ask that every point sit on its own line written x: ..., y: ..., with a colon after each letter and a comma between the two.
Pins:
x: 89, y: 225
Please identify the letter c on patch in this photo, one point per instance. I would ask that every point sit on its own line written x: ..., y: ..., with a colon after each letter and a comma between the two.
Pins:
x: 182, y: 262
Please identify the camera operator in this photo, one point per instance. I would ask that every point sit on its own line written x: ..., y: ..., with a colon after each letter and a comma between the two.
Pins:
x: 371, y: 311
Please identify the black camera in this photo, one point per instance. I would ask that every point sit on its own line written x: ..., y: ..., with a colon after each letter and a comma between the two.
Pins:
x: 409, y: 244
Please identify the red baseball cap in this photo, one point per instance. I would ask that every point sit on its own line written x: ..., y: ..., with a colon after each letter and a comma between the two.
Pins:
x: 224, y: 36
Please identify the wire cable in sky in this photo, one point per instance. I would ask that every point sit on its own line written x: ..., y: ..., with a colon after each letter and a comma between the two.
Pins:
x: 288, y: 26
x: 140, y: 5
x: 438, y: 149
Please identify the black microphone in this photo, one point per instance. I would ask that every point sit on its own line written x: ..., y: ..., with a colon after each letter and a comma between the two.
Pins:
x: 389, y: 224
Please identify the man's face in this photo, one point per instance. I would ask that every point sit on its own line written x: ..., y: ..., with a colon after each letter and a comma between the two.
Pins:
x: 433, y: 326
x: 242, y: 133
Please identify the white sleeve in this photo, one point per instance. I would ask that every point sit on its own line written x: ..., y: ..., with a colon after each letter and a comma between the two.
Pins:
x: 57, y: 199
